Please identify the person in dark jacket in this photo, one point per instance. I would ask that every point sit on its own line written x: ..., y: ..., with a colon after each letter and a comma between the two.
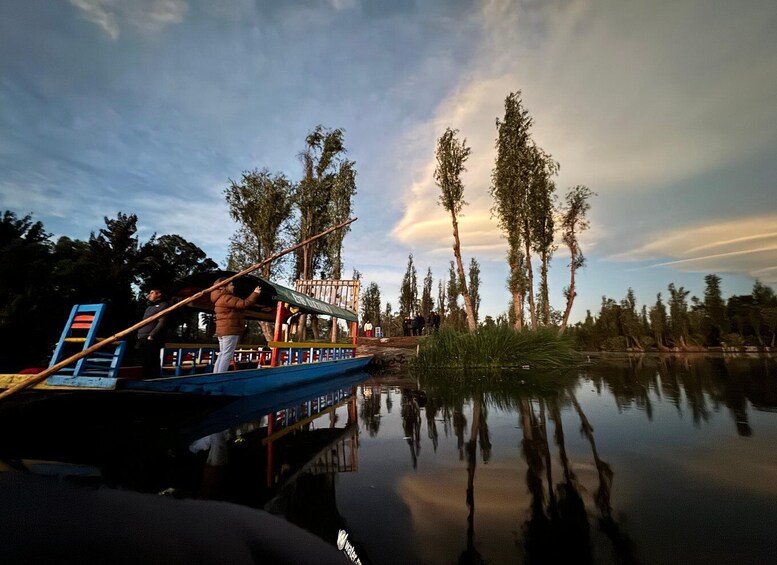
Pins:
x: 151, y: 337
x: 230, y: 321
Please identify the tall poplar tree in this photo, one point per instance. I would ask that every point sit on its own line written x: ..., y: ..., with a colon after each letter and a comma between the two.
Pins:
x: 427, y: 302
x: 541, y: 210
x: 371, y: 304
x: 451, y: 155
x: 323, y: 196
x: 509, y: 187
x: 573, y: 223
x: 442, y: 305
x: 408, y: 292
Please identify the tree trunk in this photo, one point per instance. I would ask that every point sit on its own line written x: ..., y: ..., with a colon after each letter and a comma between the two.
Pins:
x: 572, y: 292
x: 470, y: 311
x: 530, y: 276
x: 518, y: 311
x: 314, y: 326
x: 267, y: 330
x: 544, y: 290
x: 333, y: 333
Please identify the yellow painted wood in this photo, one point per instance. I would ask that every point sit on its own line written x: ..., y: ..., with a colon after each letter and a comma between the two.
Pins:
x: 9, y: 380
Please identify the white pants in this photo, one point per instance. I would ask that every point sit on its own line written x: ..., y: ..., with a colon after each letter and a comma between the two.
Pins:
x: 227, y: 345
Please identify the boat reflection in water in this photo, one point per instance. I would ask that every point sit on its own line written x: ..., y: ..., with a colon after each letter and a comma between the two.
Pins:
x: 278, y: 451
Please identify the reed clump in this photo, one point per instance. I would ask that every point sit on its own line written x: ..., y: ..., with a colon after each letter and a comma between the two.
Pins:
x: 500, y: 347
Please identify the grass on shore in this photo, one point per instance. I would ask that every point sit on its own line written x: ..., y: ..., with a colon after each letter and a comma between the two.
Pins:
x: 499, y: 347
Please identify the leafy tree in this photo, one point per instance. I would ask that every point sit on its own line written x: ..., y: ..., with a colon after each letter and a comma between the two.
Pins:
x: 509, y: 189
x: 608, y: 324
x: 28, y: 301
x: 658, y: 322
x: 167, y: 258
x: 371, y: 304
x: 340, y: 207
x: 408, y: 296
x: 391, y: 326
x: 325, y: 189
x: 441, y: 300
x: 678, y: 315
x: 573, y: 223
x: 769, y: 316
x: 427, y: 302
x: 537, y: 223
x: 454, y: 314
x: 738, y: 310
x: 715, y: 323
x: 629, y: 320
x: 451, y: 155
x: 763, y: 298
x: 541, y: 204
x: 114, y: 256
x: 261, y: 203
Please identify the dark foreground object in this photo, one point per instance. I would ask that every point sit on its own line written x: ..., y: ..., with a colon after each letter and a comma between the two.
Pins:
x: 45, y: 520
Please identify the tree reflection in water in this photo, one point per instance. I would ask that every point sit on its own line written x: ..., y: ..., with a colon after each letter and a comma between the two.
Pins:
x: 558, y: 526
x: 369, y: 413
x: 412, y: 401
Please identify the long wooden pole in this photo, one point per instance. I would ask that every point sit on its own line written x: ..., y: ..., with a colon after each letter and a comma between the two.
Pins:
x: 34, y: 379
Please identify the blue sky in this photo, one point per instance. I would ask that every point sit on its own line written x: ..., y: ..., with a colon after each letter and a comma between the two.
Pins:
x: 666, y: 109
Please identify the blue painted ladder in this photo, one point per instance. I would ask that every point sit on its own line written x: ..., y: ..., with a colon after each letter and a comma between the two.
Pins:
x: 99, y: 368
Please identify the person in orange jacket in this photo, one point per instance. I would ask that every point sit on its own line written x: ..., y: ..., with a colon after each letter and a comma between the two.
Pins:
x: 230, y: 321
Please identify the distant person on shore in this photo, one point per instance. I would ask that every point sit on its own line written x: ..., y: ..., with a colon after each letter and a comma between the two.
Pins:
x: 406, y: 326
x: 151, y: 337
x: 419, y: 323
x: 368, y: 329
x: 230, y: 321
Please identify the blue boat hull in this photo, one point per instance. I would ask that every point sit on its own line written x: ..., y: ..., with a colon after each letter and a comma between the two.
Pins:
x: 250, y: 381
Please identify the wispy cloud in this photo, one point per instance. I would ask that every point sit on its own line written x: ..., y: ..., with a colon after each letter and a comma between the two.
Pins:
x: 743, y: 246
x: 147, y: 15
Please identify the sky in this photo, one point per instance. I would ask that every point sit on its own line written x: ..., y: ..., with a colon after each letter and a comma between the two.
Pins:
x: 665, y: 109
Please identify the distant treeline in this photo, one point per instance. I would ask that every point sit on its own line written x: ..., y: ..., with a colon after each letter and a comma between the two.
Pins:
x: 682, y: 325
x: 41, y: 279
x: 672, y: 324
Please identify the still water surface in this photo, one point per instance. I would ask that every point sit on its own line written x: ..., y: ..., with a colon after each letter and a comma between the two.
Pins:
x: 643, y: 460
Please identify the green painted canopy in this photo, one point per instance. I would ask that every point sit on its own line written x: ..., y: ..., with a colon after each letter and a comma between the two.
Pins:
x: 264, y: 309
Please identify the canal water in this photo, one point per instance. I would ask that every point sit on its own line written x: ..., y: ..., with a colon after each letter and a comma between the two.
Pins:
x: 623, y: 460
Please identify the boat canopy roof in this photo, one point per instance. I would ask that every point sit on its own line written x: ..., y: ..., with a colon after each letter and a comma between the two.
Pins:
x: 265, y: 307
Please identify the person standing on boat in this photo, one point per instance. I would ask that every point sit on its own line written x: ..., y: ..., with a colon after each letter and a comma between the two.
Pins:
x: 230, y: 321
x: 151, y: 337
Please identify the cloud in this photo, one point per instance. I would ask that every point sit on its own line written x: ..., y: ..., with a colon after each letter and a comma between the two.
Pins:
x: 147, y: 15
x: 742, y: 246
x: 620, y: 93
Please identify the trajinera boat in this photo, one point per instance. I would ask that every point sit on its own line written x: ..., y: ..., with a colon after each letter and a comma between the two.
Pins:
x: 188, y: 368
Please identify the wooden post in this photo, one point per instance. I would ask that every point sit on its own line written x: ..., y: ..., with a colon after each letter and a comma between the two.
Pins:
x: 277, y: 335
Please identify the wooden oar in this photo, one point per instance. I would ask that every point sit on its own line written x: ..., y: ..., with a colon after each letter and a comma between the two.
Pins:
x: 34, y: 379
